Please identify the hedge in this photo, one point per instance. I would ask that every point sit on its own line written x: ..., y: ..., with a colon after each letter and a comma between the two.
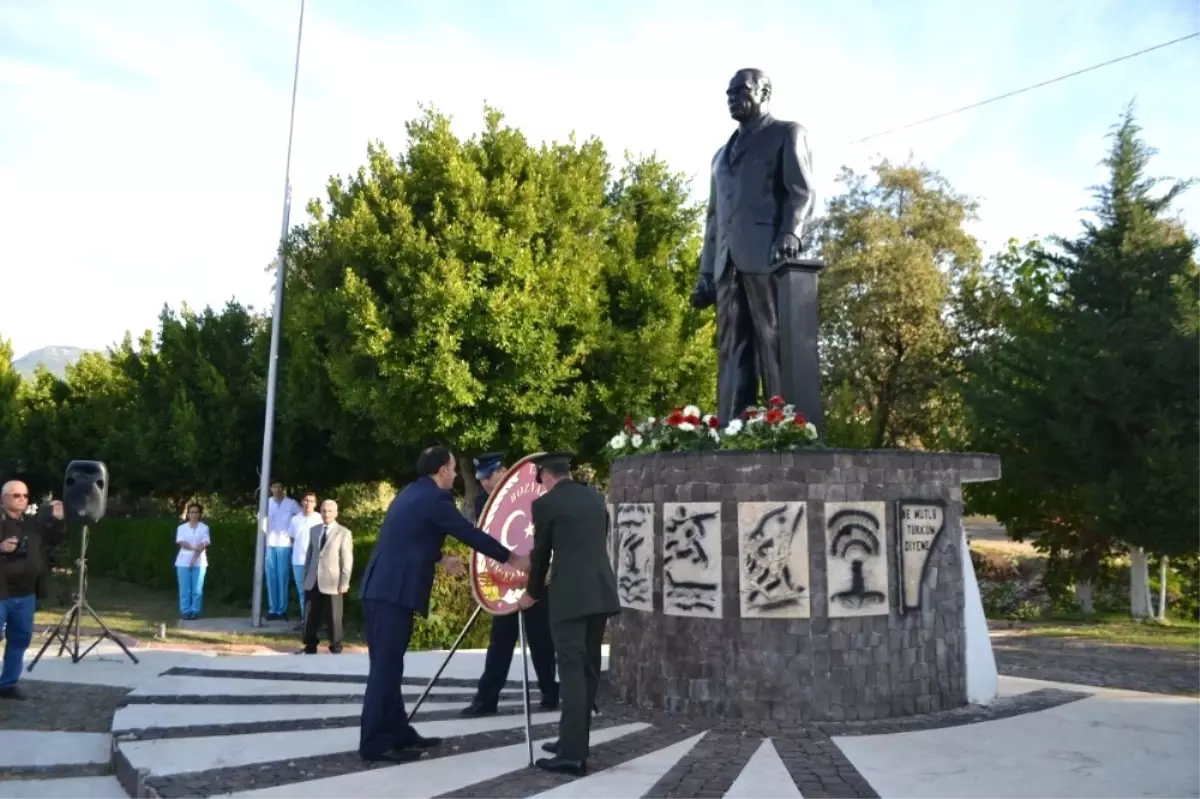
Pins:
x: 142, y: 552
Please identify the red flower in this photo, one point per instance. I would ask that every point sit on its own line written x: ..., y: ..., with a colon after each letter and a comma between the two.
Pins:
x: 774, y: 416
x: 799, y: 419
x: 776, y: 401
x: 692, y: 420
x: 714, y: 422
x: 628, y: 422
x: 676, y: 418
x: 750, y: 413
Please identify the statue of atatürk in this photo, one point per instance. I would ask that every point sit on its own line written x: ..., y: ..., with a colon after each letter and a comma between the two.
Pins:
x: 760, y: 199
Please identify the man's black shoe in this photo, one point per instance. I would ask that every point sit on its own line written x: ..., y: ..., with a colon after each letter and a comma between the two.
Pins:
x: 551, y: 747
x: 12, y: 692
x: 576, y: 768
x: 392, y: 756
x: 477, y: 709
x: 549, y: 703
x: 421, y: 742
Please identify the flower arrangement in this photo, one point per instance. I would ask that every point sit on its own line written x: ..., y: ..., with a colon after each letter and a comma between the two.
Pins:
x: 775, y: 426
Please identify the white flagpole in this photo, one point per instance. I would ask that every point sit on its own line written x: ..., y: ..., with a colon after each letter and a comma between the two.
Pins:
x: 272, y: 365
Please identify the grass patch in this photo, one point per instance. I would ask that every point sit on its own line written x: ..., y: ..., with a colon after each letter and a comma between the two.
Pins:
x: 137, y: 612
x: 1119, y: 629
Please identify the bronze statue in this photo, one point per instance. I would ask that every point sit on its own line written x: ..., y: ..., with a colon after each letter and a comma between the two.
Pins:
x: 760, y: 199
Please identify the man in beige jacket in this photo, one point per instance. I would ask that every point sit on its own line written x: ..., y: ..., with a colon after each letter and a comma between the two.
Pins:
x: 327, y: 577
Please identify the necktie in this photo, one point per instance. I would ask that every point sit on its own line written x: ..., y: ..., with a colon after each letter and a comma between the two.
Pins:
x: 324, y: 530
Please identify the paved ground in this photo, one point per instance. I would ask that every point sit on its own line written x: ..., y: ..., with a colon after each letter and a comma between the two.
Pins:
x: 286, y: 726
x: 1133, y: 668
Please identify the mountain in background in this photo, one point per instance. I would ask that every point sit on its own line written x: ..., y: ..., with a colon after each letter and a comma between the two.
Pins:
x: 56, y: 359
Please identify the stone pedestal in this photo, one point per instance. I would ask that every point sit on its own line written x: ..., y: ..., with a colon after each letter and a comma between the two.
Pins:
x: 817, y: 585
x: 799, y: 326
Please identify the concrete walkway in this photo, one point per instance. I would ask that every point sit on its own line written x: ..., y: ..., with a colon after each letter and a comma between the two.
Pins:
x: 285, y: 725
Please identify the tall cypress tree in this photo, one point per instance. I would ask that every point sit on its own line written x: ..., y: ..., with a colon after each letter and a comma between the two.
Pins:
x: 1090, y: 391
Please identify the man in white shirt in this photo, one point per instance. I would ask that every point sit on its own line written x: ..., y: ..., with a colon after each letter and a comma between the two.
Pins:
x: 299, y: 529
x: 280, y: 510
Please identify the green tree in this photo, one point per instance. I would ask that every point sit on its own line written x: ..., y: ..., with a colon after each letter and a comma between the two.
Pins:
x: 1089, y: 392
x: 894, y: 246
x: 485, y: 292
x: 10, y: 384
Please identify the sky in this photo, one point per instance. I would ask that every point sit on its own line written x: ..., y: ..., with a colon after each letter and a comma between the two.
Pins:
x: 143, y: 143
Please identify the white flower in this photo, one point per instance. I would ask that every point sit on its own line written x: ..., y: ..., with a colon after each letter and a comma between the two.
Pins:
x: 636, y: 440
x: 754, y: 420
x: 811, y: 429
x: 712, y: 431
x: 651, y: 421
x: 734, y: 427
x: 789, y: 410
x: 708, y: 418
x: 619, y: 441
x: 691, y: 410
x: 687, y: 427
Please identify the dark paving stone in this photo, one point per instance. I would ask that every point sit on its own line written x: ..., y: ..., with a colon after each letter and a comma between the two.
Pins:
x: 61, y: 706
x: 54, y: 772
x: 1133, y: 668
x: 709, y: 769
x: 1002, y: 708
x: 530, y: 780
x: 818, y: 768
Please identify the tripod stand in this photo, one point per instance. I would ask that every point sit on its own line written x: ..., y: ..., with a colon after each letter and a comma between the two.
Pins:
x: 74, y: 616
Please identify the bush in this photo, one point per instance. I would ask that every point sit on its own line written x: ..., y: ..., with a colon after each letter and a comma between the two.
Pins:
x: 142, y: 552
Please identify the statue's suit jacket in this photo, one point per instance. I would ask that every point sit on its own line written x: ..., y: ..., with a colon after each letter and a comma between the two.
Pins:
x: 571, y: 521
x: 761, y: 187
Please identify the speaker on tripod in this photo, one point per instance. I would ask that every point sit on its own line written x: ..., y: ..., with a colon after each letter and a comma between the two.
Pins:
x: 85, y: 499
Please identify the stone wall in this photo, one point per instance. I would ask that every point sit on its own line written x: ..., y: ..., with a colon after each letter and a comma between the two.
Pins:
x: 742, y: 660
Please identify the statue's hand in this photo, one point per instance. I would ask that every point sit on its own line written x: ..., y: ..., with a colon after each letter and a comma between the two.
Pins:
x: 705, y: 293
x: 787, y: 248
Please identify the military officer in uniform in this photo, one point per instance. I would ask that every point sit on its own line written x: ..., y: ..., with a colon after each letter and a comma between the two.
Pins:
x: 489, y: 471
x: 571, y: 523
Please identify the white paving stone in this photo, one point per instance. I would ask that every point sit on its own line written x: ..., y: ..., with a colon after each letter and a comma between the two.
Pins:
x: 64, y: 788
x: 181, y: 755
x: 764, y: 775
x: 107, y: 665
x: 138, y: 717
x: 1113, y: 744
x: 40, y: 748
x: 631, y: 778
x: 187, y: 685
x: 428, y: 777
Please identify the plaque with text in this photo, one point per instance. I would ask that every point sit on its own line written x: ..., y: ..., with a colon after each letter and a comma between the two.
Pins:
x: 919, y: 524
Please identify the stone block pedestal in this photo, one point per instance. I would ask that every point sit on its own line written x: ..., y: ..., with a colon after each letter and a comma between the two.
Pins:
x: 817, y: 585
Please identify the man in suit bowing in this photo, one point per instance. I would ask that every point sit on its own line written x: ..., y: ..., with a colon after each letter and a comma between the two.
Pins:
x: 760, y: 198
x: 326, y: 577
x: 396, y: 587
x: 570, y: 522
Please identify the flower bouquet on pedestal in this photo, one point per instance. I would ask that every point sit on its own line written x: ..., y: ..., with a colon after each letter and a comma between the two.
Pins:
x: 776, y: 426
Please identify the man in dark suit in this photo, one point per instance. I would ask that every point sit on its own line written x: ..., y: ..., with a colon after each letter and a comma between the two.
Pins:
x: 396, y: 586
x: 571, y: 524
x: 506, y: 630
x: 760, y: 198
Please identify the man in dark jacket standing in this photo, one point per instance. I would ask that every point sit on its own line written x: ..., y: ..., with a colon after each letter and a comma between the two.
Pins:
x: 25, y: 542
x: 506, y: 630
x: 396, y: 586
x: 571, y: 523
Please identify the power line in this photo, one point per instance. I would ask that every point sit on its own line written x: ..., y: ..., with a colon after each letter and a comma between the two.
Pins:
x: 1014, y: 93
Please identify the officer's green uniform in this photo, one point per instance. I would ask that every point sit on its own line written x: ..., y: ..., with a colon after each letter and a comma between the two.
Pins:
x: 571, y: 521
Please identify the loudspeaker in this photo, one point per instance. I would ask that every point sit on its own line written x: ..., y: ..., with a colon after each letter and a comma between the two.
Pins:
x: 85, y: 491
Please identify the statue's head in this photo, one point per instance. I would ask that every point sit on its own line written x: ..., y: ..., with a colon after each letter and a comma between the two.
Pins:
x: 749, y: 94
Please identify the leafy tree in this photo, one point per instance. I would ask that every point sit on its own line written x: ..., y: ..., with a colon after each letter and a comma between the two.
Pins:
x: 1088, y: 391
x: 10, y: 383
x: 485, y: 293
x: 894, y: 246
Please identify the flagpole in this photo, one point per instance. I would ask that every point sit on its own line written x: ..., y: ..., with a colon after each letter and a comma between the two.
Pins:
x: 264, y: 483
